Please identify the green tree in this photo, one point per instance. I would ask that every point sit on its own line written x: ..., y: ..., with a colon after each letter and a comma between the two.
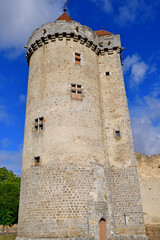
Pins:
x: 9, y: 197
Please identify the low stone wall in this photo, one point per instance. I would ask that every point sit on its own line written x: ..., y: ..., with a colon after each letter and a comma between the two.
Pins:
x: 149, y: 178
x: 153, y: 231
x: 8, y: 229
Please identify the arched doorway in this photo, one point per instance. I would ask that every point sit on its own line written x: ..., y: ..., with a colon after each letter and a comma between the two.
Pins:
x: 102, y: 229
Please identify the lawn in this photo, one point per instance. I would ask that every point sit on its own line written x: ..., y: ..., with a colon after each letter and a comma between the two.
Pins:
x: 8, y: 237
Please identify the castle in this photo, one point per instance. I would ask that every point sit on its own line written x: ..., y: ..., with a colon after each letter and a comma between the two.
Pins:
x: 79, y: 174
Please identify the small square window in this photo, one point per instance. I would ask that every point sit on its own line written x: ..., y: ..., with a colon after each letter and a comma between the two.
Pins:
x: 107, y: 73
x: 77, y: 58
x: 76, y: 91
x: 117, y: 134
x: 37, y: 161
x: 38, y: 125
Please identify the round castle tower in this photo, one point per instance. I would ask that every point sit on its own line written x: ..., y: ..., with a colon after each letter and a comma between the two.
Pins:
x: 79, y: 177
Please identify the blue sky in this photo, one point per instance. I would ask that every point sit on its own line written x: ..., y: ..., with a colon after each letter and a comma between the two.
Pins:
x: 137, y: 21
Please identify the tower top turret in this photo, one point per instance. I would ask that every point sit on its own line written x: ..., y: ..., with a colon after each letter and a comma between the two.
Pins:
x: 65, y: 16
x: 64, y: 26
x: 102, y: 32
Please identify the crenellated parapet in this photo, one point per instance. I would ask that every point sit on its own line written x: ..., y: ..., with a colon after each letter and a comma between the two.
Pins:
x: 57, y: 31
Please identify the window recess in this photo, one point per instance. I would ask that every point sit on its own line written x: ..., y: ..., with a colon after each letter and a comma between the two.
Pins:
x: 76, y: 91
x: 38, y: 125
x: 77, y: 58
x: 36, y: 161
x: 107, y: 73
x: 117, y: 134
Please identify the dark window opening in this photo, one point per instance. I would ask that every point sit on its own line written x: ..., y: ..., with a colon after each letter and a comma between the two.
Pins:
x: 101, y: 44
x: 107, y: 73
x: 38, y: 125
x: 36, y: 129
x: 117, y: 134
x: 76, y: 91
x: 77, y: 58
x: 37, y: 161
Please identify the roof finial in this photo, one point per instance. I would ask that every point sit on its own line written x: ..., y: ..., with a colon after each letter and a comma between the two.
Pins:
x: 65, y: 9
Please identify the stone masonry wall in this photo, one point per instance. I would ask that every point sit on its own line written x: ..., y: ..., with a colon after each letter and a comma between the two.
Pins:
x: 148, y: 174
x: 153, y: 231
x: 126, y: 204
x: 68, y: 123
x: 81, y: 162
x: 68, y: 187
x: 149, y: 178
x: 68, y: 148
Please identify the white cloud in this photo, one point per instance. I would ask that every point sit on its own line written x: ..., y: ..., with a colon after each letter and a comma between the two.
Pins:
x: 5, y: 117
x: 153, y: 104
x: 146, y: 136
x: 19, y: 18
x: 129, y: 61
x: 22, y: 98
x: 106, y: 4
x: 12, y: 160
x: 137, y: 68
x: 5, y: 142
x: 134, y: 11
x: 128, y: 11
x: 146, y: 125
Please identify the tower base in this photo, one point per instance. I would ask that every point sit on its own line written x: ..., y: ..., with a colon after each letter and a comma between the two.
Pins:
x: 131, y: 237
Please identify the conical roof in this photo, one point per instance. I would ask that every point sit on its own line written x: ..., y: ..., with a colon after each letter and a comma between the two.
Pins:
x: 102, y: 32
x: 66, y: 17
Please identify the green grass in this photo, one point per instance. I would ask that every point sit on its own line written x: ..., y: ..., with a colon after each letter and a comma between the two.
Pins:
x: 8, y: 237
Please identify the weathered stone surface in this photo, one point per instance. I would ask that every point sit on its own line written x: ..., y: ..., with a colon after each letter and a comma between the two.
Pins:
x: 62, y: 29
x: 85, y: 172
x: 153, y: 231
x: 149, y: 178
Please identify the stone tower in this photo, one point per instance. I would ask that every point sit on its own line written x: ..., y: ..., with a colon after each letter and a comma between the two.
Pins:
x: 79, y: 176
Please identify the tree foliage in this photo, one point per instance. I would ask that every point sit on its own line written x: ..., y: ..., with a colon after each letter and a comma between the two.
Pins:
x: 9, y: 197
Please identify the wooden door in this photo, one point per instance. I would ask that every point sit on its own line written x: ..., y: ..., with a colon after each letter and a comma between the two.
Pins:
x: 102, y: 229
